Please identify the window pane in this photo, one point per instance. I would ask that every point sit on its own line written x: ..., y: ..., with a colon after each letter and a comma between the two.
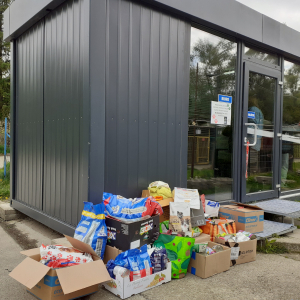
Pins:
x: 262, y: 92
x: 261, y: 55
x: 290, y: 169
x: 212, y: 72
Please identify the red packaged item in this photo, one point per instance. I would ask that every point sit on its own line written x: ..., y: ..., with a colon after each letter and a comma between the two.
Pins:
x: 135, y: 275
x: 61, y: 263
x: 56, y: 252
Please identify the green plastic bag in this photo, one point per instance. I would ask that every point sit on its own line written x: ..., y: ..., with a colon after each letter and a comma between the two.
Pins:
x: 178, y: 250
x: 164, y: 226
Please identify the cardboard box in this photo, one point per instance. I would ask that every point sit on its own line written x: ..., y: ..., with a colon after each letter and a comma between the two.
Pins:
x: 165, y: 204
x: 202, y: 238
x: 247, y: 217
x: 110, y: 253
x: 60, y: 284
x: 125, y: 288
x: 207, y: 266
x: 247, y: 251
x: 130, y: 235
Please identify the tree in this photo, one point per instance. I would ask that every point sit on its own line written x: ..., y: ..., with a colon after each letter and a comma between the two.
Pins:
x: 291, y: 96
x: 4, y: 66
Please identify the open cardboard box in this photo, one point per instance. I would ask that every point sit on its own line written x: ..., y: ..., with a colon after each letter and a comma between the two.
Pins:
x: 124, y: 288
x: 62, y: 284
x: 247, y: 217
x: 247, y: 251
x: 206, y: 266
x: 165, y: 204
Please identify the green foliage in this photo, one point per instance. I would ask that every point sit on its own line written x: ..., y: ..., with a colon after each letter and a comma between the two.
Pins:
x: 270, y: 247
x: 4, y: 66
x: 204, y: 173
x: 5, y: 183
x: 2, y: 149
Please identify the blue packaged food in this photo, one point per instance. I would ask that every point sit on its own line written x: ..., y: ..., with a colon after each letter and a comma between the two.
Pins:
x: 92, y: 229
x: 129, y: 209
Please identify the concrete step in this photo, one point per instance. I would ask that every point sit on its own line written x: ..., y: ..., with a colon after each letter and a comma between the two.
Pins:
x: 291, y: 241
x: 7, y: 213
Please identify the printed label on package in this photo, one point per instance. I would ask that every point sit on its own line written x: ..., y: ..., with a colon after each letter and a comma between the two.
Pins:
x: 245, y: 220
x: 227, y: 216
x: 51, y: 281
x: 146, y: 228
x: 124, y: 229
x: 135, y: 244
x: 234, y: 253
x: 111, y: 235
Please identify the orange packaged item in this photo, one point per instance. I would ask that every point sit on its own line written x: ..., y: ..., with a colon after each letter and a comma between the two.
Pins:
x: 159, y: 198
x: 218, y: 226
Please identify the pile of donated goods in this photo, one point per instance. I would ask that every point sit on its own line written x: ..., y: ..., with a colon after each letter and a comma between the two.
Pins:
x: 170, y: 254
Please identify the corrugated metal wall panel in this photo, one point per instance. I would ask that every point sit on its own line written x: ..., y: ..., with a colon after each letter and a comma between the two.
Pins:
x: 146, y: 97
x: 29, y: 117
x: 65, y: 187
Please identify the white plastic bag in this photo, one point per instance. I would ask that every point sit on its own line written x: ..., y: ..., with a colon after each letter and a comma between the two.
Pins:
x: 187, y: 196
x: 212, y: 208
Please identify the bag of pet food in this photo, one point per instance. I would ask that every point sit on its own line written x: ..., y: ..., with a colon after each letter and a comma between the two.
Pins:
x: 92, y: 229
x: 178, y: 251
x: 159, y: 260
x: 180, y: 218
x: 128, y: 209
x: 137, y: 261
x: 57, y: 252
x: 190, y: 196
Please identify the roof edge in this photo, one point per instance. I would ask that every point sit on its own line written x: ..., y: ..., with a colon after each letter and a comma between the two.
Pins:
x: 22, y: 14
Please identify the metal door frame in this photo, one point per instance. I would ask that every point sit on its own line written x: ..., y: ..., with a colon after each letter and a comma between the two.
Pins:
x: 263, y: 70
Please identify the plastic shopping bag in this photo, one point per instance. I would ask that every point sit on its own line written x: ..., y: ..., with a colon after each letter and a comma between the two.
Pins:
x: 127, y: 209
x: 212, y: 208
x: 92, y: 228
x: 178, y: 251
x: 137, y: 261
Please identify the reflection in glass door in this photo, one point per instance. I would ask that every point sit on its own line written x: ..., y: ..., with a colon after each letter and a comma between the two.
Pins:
x: 210, y: 141
x: 262, y: 91
x: 290, y: 167
x: 261, y: 142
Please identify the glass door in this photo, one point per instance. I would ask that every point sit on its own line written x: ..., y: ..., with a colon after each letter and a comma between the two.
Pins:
x: 260, y: 150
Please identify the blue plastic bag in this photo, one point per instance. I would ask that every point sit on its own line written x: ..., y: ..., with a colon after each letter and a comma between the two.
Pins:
x: 137, y: 261
x: 92, y: 229
x: 129, y: 209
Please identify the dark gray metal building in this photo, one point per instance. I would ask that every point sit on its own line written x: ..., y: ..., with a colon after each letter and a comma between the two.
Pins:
x: 100, y: 97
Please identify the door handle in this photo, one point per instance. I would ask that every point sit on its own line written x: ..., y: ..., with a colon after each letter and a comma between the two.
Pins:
x: 255, y: 134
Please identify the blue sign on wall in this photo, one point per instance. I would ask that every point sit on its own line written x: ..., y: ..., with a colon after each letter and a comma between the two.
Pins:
x: 226, y: 99
x: 251, y: 115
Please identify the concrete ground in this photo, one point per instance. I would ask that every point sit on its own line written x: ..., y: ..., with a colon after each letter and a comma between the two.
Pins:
x: 269, y: 277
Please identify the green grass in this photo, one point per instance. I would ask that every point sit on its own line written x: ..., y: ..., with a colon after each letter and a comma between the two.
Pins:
x: 269, y: 247
x: 204, y: 173
x: 2, y: 149
x: 5, y: 183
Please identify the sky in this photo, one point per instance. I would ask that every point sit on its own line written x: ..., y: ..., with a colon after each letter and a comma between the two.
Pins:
x: 284, y: 11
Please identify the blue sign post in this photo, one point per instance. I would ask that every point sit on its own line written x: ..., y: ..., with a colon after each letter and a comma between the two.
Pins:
x: 226, y: 99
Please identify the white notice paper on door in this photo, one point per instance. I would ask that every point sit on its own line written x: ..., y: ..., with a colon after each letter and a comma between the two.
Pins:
x: 220, y: 113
